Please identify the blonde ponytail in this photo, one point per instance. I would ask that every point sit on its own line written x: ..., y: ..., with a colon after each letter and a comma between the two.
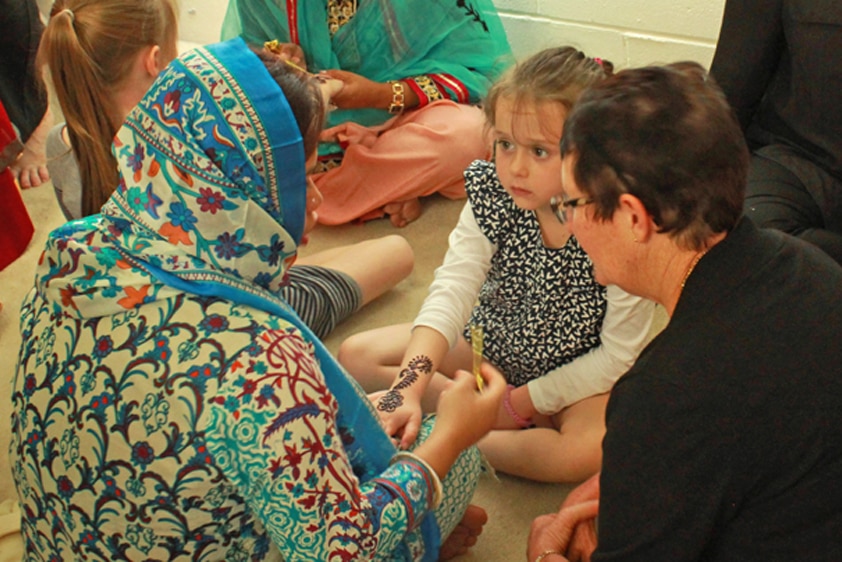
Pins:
x: 88, y: 47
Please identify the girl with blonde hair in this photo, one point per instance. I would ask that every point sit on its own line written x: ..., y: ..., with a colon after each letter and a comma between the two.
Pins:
x: 103, y: 55
x: 560, y: 338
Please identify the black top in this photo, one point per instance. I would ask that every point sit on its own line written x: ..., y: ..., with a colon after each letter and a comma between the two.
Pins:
x: 724, y: 440
x: 780, y: 65
x: 21, y: 92
x: 540, y: 307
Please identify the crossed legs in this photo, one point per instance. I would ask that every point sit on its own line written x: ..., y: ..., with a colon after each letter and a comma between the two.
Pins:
x: 566, y: 447
x: 376, y: 265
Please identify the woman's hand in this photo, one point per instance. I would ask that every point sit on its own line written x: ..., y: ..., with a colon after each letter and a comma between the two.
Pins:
x: 290, y: 52
x: 465, y: 413
x: 463, y: 417
x: 360, y: 92
x: 552, y: 533
x: 583, y: 541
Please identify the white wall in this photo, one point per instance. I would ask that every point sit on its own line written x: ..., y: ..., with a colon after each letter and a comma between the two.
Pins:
x: 201, y: 20
x: 626, y: 32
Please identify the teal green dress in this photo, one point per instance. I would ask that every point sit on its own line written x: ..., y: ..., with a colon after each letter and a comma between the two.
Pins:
x: 444, y: 49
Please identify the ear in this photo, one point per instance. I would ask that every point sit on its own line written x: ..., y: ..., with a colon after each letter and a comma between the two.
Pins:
x: 640, y: 223
x: 153, y: 60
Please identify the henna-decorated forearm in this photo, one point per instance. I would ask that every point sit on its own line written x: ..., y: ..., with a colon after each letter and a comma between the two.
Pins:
x: 393, y: 399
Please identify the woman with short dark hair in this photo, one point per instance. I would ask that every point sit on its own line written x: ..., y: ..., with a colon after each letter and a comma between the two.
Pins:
x: 724, y: 440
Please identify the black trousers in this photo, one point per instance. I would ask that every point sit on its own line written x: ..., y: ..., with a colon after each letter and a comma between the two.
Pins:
x: 788, y: 192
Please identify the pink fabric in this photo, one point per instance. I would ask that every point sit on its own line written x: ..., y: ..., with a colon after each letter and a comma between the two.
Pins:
x: 419, y: 153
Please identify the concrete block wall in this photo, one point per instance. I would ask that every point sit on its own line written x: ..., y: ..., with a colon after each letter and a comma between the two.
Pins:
x: 627, y: 32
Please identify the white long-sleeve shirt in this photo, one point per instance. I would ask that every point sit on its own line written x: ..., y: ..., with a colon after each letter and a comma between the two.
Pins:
x: 453, y: 294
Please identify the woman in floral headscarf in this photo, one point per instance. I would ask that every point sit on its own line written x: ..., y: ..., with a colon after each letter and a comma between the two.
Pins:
x: 167, y: 404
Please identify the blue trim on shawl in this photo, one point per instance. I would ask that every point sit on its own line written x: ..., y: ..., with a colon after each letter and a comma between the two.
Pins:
x: 377, y: 446
x: 284, y: 135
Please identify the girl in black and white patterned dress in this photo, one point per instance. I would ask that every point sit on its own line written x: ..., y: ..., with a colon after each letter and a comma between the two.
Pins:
x: 512, y: 268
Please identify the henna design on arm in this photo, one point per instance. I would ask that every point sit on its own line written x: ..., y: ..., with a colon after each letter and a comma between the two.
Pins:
x: 393, y: 399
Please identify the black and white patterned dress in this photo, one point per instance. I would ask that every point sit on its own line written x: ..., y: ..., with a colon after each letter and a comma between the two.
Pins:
x: 539, y: 307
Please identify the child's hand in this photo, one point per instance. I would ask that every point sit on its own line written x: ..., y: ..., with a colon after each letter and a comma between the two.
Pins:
x: 401, y: 416
x: 329, y: 88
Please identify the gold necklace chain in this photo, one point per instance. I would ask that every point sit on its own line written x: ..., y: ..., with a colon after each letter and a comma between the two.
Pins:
x: 340, y: 12
x: 690, y: 269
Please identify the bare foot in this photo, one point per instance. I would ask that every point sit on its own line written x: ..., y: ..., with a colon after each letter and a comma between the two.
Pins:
x: 401, y: 213
x: 30, y: 169
x: 465, y: 534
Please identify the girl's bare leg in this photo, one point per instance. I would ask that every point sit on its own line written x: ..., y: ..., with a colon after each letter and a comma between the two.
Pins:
x: 376, y: 265
x: 373, y: 357
x: 571, y: 453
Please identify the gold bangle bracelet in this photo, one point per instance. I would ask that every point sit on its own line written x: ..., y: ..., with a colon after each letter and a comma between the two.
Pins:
x: 547, y: 553
x: 398, y: 97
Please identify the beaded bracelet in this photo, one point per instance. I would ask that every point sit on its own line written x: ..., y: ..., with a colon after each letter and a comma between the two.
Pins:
x: 507, y: 404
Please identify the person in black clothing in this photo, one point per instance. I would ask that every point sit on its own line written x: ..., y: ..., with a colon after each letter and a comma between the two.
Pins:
x: 779, y: 64
x: 724, y: 440
x: 21, y: 88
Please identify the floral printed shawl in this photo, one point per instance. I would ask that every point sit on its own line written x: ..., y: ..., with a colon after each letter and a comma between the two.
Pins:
x: 210, y: 204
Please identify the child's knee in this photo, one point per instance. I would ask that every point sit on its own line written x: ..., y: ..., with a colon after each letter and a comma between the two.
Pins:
x: 360, y: 357
x: 400, y: 252
x: 350, y: 351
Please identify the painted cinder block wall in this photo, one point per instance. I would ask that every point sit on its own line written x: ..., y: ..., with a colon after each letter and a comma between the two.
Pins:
x: 627, y: 32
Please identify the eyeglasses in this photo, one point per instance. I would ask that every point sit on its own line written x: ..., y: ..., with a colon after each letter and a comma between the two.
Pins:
x: 560, y: 205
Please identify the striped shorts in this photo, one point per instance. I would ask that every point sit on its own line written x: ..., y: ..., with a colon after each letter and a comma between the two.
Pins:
x: 322, y: 297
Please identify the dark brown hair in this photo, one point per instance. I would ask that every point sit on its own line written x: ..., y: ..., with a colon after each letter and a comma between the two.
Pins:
x: 303, y: 95
x: 667, y: 135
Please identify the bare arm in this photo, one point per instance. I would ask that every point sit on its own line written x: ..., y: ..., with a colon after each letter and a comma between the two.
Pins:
x: 437, y: 326
x: 400, y: 408
x: 359, y: 92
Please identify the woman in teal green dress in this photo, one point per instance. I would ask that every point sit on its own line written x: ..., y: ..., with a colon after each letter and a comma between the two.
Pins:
x: 406, y: 124
x: 168, y: 405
